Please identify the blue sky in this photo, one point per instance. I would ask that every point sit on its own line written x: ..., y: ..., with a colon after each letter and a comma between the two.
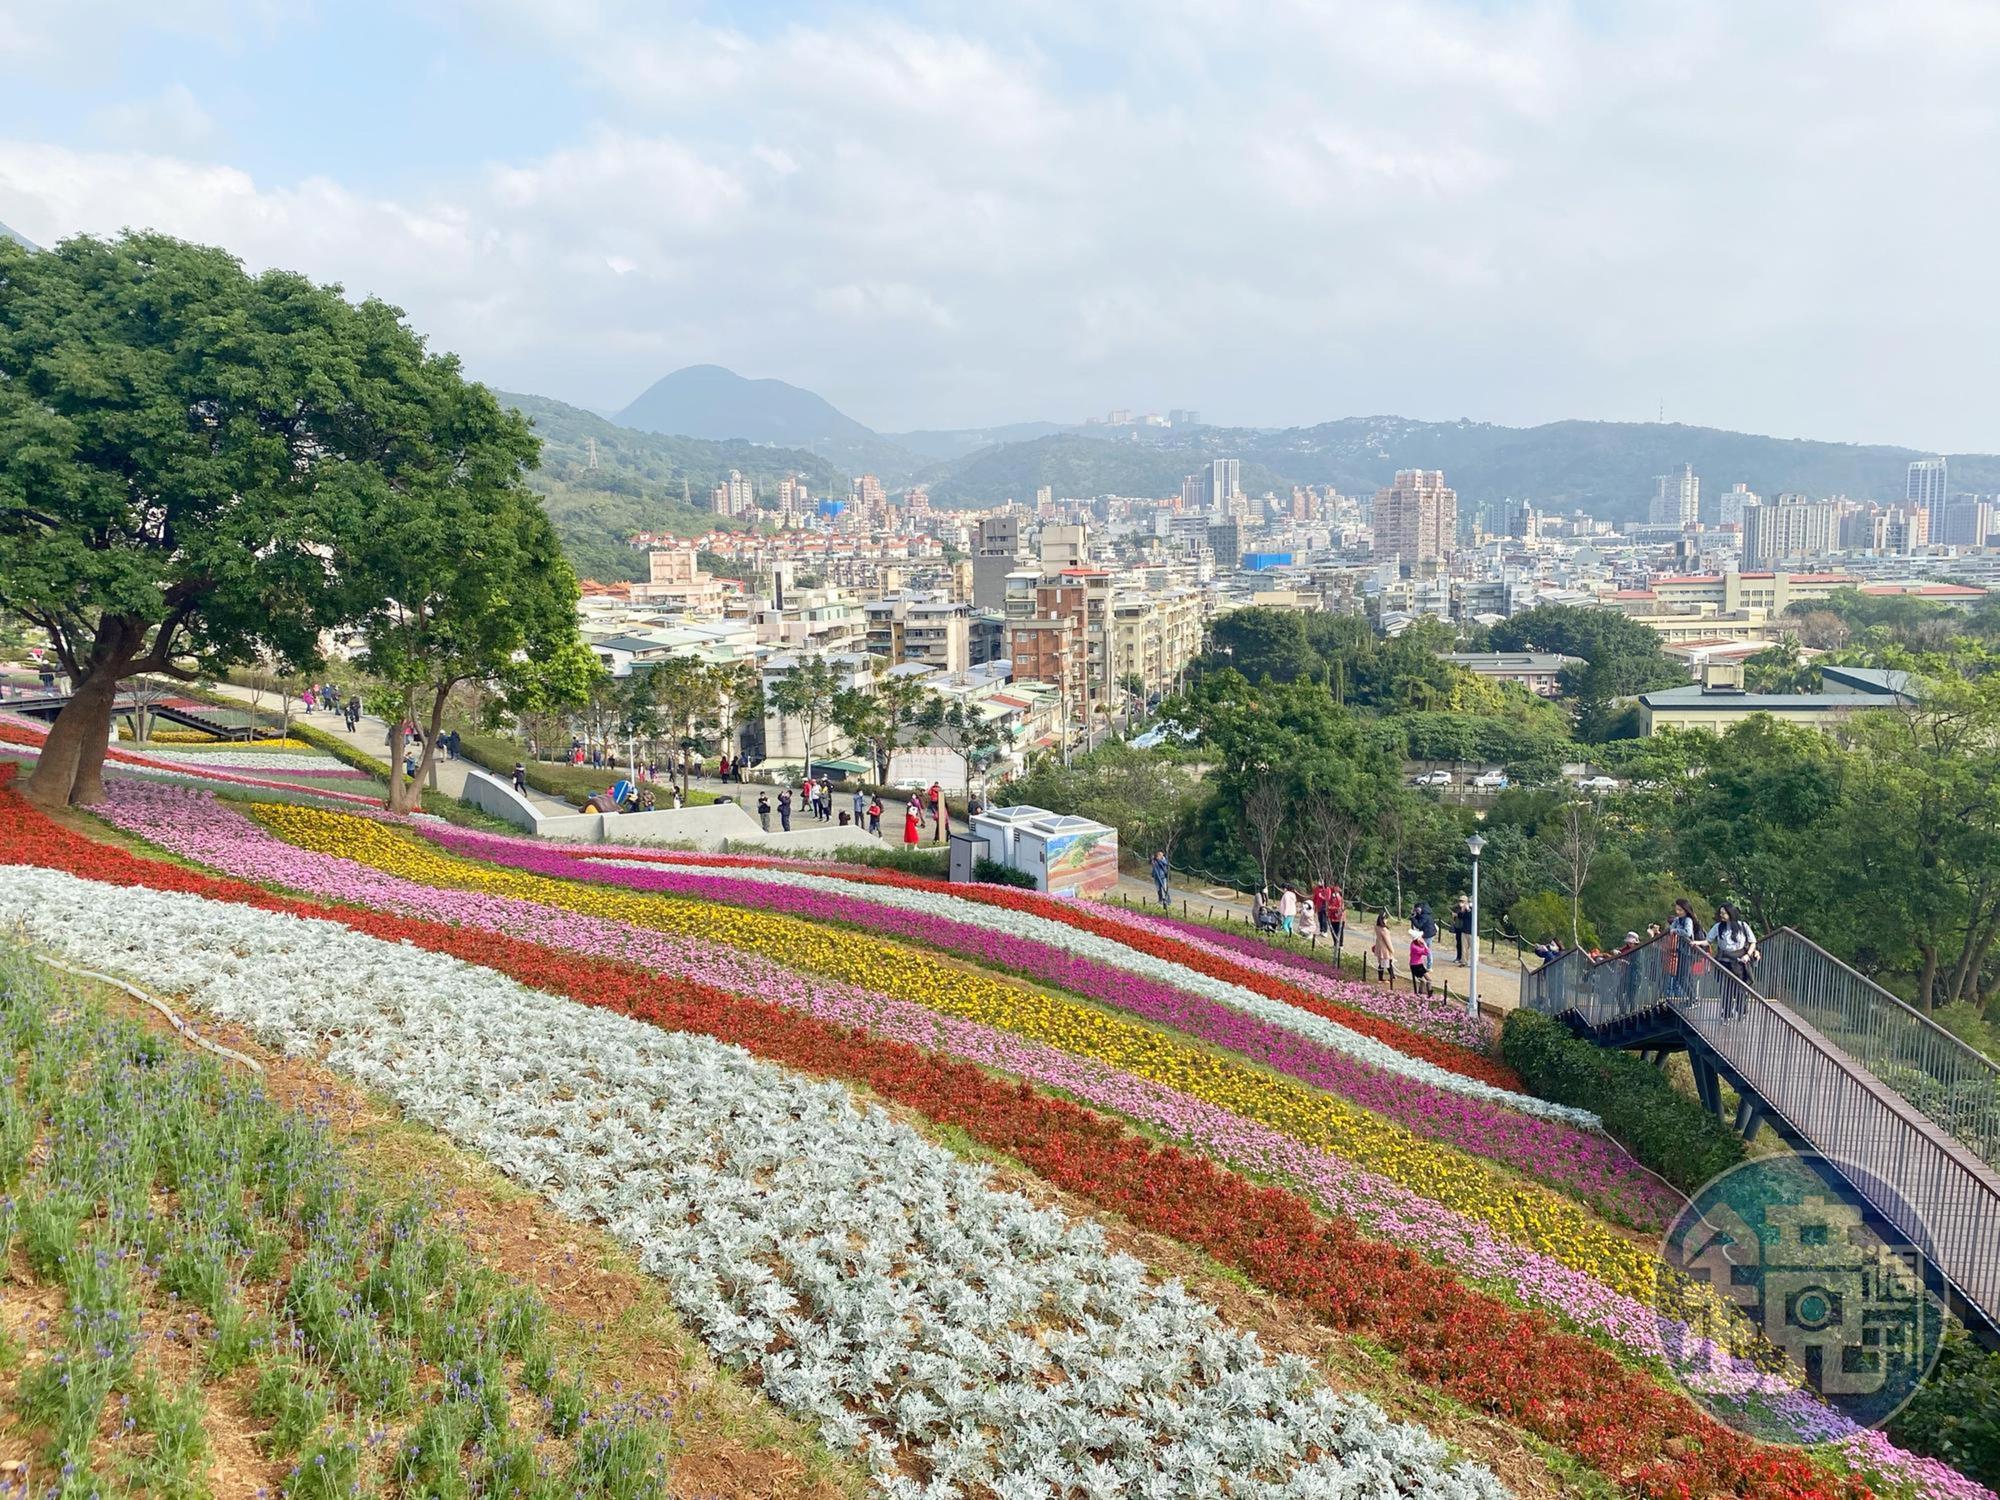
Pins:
x: 1775, y: 216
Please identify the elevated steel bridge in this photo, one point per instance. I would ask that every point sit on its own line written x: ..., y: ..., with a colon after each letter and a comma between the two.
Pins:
x: 1836, y: 1065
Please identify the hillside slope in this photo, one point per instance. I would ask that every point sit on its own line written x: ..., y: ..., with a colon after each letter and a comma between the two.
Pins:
x: 1605, y: 467
x: 642, y: 481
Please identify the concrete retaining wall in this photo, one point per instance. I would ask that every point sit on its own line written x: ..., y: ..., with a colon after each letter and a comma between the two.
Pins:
x: 490, y: 794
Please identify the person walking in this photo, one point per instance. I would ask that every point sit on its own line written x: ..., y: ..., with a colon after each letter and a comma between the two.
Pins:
x: 860, y: 806
x: 1334, y: 920
x: 1308, y: 921
x: 785, y: 810
x: 1160, y: 875
x: 1383, y: 949
x: 937, y: 809
x: 764, y: 810
x: 1320, y: 892
x: 1461, y: 928
x: 875, y: 816
x: 1424, y: 922
x: 722, y: 766
x: 1288, y: 911
x: 1735, y: 948
x: 1679, y: 951
x: 1420, y: 963
x: 520, y: 778
x: 912, y: 825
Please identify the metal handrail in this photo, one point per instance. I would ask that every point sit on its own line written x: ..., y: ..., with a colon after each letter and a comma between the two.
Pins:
x: 1951, y: 1083
x: 1905, y: 1164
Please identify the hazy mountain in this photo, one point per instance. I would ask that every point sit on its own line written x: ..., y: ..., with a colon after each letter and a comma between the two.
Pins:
x: 707, y: 401
x: 639, y: 481
x: 1604, y: 467
x: 936, y: 445
x: 17, y: 237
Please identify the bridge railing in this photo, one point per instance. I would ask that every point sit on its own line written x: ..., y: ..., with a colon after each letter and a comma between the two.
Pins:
x: 1903, y: 1162
x: 1947, y: 1081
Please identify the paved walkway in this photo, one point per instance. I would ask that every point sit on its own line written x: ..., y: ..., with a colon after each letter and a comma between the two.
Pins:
x: 371, y: 737
x: 1499, y: 970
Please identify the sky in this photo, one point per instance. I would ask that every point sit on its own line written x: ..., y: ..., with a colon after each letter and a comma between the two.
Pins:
x: 1780, y: 216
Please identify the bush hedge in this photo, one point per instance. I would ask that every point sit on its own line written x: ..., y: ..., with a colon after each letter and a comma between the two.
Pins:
x: 1666, y: 1130
x: 1955, y: 1415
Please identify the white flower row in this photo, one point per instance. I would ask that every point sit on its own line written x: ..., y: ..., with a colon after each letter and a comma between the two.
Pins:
x: 237, y: 760
x: 953, y: 1335
x: 1300, y: 1022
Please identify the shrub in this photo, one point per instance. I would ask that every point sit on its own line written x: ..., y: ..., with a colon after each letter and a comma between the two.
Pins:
x: 1667, y: 1131
x: 1546, y: 915
x: 1955, y: 1415
x: 992, y: 872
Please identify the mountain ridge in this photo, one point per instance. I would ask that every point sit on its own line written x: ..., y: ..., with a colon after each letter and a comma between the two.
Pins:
x: 715, y: 403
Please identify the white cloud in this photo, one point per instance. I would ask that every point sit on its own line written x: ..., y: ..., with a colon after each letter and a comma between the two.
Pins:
x: 1272, y: 211
x: 171, y: 120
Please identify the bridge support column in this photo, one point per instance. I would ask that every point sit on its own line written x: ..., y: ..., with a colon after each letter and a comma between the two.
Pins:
x: 1749, y: 1117
x: 1707, y: 1085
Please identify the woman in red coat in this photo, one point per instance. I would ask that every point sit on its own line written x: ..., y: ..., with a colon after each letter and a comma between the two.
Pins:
x: 912, y: 824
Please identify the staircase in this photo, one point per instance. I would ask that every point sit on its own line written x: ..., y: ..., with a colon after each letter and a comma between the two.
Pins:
x: 1907, y: 1114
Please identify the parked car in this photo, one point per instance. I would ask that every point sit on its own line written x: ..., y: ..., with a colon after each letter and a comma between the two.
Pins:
x: 1598, y: 784
x: 1490, y: 781
x: 1434, y: 778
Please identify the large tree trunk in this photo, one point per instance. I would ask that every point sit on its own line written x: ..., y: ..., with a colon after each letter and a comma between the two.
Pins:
x: 71, y: 767
x: 402, y: 791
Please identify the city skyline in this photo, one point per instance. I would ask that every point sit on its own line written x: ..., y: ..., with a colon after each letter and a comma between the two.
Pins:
x: 949, y: 216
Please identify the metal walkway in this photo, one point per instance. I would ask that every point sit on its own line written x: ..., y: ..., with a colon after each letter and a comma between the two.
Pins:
x: 1835, y: 1064
x: 48, y: 705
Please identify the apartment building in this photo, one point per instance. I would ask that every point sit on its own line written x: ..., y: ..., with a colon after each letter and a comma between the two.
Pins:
x: 1153, y: 636
x: 675, y: 580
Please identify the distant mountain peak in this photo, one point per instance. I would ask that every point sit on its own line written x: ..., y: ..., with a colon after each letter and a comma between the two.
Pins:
x: 17, y: 237
x: 714, y: 402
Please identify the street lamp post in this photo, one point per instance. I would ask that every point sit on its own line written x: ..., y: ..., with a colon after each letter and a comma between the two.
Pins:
x: 1475, y: 844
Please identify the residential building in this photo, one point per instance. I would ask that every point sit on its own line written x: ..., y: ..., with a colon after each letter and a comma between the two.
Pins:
x: 1416, y: 518
x: 1777, y: 534
x: 1225, y: 541
x: 1733, y: 505
x: 865, y: 490
x: 1926, y: 486
x: 1153, y: 636
x: 1676, y: 499
x: 1968, y: 521
x: 735, y: 496
x: 674, y: 578
x: 1064, y: 547
x: 1537, y: 671
x: 1047, y: 648
x: 794, y: 499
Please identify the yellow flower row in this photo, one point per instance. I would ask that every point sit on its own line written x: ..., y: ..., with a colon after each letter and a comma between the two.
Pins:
x: 1523, y: 1211
x: 194, y: 739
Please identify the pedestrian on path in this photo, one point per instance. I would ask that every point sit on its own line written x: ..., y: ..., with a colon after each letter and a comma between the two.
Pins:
x: 1160, y: 875
x: 1288, y: 911
x: 520, y: 778
x: 785, y: 811
x: 1461, y: 928
x: 1384, y: 949
x: 1735, y: 948
x: 1334, y: 918
x: 1420, y: 963
x: 860, y: 807
x: 764, y: 810
x: 1679, y: 949
x: 912, y: 825
x: 875, y: 816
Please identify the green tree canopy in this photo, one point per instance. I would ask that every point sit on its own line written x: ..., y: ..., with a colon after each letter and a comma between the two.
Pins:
x: 181, y: 445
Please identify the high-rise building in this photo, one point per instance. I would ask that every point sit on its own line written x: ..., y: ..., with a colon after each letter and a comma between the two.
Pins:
x: 794, y: 497
x: 1181, y: 416
x: 866, y: 492
x: 1676, y: 499
x: 1968, y: 521
x: 917, y: 500
x: 1225, y: 483
x: 1194, y: 495
x: 735, y: 496
x: 1734, y: 503
x: 1777, y: 534
x: 1416, y: 517
x: 1925, y: 487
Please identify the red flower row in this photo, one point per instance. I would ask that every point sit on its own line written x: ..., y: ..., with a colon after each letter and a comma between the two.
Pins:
x: 1461, y: 1060
x: 1516, y: 1365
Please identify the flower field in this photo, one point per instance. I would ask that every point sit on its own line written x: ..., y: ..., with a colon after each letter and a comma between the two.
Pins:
x: 665, y: 1045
